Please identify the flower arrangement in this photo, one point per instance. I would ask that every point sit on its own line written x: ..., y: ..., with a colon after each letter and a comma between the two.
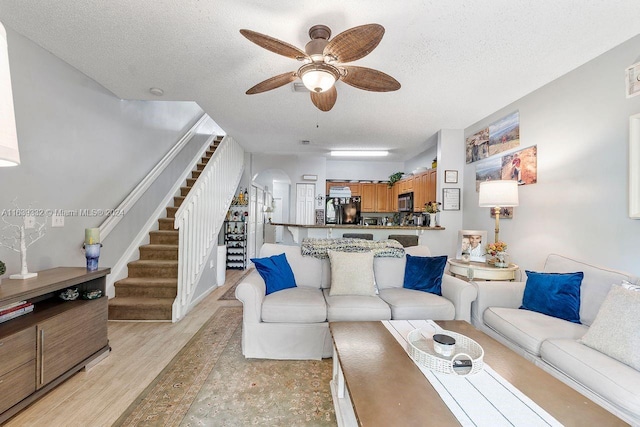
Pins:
x: 494, y: 248
x: 432, y: 207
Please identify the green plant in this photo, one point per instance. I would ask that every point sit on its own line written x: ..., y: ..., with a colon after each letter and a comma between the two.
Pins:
x: 432, y: 207
x: 3, y: 268
x: 393, y: 178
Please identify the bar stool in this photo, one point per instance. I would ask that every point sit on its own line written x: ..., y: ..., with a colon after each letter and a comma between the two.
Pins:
x: 365, y: 236
x: 405, y: 240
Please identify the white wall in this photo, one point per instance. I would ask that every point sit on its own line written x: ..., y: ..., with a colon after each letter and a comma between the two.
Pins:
x: 80, y: 147
x: 579, y: 207
x: 362, y: 169
x: 450, y: 154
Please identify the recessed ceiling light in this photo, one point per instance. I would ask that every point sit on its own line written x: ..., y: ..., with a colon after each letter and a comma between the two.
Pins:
x: 305, y: 142
x: 156, y: 91
x: 351, y: 153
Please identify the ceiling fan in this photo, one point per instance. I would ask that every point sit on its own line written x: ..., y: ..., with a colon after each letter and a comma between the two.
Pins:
x: 323, y: 61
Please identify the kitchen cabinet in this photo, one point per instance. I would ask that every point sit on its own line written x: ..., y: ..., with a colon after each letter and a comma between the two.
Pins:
x: 424, y: 189
x: 353, y: 186
x: 383, y: 198
x: 368, y: 201
x: 41, y: 349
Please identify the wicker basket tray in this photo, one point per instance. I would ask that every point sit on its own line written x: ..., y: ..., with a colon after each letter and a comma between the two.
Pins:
x: 420, y: 347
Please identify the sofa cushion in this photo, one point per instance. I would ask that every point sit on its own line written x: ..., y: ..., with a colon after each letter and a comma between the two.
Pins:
x: 389, y: 272
x: 295, y: 305
x: 351, y: 273
x: 424, y: 273
x: 306, y: 269
x: 614, y: 381
x: 407, y: 304
x: 528, y: 329
x: 276, y: 273
x: 355, y: 308
x: 554, y: 294
x: 595, y: 284
x: 614, y: 332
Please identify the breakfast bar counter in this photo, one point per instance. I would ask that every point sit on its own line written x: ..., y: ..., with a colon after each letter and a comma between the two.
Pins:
x: 380, y: 232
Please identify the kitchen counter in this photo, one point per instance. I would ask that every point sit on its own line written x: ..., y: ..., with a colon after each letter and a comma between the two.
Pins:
x: 361, y: 227
x: 380, y: 232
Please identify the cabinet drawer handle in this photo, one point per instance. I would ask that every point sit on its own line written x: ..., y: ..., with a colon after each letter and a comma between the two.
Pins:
x: 41, y: 356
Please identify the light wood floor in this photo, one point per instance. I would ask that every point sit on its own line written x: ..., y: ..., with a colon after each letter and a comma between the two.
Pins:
x: 140, y: 350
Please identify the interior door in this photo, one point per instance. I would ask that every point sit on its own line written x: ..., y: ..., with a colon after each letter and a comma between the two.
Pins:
x: 305, y: 204
x: 277, y: 217
x: 259, y: 226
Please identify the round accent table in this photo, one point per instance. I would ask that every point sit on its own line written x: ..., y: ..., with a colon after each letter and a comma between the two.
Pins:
x: 481, y: 270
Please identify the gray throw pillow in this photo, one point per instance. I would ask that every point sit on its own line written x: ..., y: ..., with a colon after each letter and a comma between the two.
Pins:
x: 614, y: 331
x: 351, y: 273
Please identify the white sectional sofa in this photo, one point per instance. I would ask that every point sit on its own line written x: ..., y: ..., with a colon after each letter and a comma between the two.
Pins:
x: 553, y: 343
x: 293, y: 323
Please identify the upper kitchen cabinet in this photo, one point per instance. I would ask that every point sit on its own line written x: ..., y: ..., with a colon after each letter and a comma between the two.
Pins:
x: 424, y: 189
x: 355, y: 187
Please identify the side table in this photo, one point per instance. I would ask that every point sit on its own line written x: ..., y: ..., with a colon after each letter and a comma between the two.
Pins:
x: 481, y: 271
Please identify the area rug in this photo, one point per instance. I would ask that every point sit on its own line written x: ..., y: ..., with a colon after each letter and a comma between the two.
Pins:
x: 230, y: 294
x: 210, y: 383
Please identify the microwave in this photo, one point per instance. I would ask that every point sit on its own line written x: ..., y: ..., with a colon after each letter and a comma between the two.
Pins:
x: 405, y: 202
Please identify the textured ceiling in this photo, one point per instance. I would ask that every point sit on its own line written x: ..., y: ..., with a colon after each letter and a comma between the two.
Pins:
x: 457, y: 61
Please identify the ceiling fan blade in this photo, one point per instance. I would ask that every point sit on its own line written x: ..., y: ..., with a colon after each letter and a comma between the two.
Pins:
x: 274, y: 45
x: 273, y: 83
x: 355, y: 43
x: 325, y: 100
x: 369, y: 79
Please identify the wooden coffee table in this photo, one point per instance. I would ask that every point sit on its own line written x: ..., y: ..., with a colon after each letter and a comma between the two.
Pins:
x: 376, y: 383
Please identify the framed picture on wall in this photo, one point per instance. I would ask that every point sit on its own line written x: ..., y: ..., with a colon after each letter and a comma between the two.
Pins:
x: 450, y: 199
x: 472, y: 242
x: 450, y: 177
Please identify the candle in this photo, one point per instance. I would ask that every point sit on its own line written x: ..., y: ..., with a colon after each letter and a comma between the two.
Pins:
x: 91, y: 236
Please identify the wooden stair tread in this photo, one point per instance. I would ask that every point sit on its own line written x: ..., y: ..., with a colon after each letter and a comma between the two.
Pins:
x: 160, y: 246
x: 140, y: 301
x: 148, y: 281
x: 168, y: 232
x: 163, y: 262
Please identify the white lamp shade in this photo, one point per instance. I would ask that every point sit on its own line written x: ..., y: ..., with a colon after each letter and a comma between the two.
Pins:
x: 498, y: 193
x: 318, y: 80
x: 9, y: 155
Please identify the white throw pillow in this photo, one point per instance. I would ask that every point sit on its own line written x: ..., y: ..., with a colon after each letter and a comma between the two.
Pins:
x: 614, y: 331
x: 351, y: 273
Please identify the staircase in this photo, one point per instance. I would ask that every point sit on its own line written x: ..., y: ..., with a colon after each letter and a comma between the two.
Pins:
x: 150, y: 289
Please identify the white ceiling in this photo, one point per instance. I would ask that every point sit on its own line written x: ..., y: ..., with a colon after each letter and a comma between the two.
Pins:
x: 458, y: 61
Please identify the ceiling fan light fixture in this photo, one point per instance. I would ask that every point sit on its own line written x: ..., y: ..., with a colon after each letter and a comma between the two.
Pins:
x: 318, y: 77
x: 357, y: 153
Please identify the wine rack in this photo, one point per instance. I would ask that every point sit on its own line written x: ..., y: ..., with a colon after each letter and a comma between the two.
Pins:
x: 235, y: 239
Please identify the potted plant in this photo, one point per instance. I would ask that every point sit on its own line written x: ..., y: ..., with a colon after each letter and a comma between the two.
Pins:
x: 393, y: 178
x: 432, y: 208
x: 3, y: 268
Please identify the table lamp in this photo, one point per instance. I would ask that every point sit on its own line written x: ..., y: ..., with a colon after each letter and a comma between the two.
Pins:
x: 496, y: 195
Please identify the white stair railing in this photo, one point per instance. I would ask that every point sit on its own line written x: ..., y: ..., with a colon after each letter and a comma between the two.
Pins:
x: 200, y: 217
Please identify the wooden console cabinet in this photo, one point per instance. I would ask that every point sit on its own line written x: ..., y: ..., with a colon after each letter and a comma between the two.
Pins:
x: 45, y: 347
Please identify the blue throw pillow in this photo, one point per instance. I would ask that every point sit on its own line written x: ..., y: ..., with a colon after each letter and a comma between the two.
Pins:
x: 554, y: 294
x: 424, y: 273
x: 276, y: 272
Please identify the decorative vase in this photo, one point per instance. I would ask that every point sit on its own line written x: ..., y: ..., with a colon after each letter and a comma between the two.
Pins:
x: 92, y: 252
x: 432, y: 220
x: 501, y: 260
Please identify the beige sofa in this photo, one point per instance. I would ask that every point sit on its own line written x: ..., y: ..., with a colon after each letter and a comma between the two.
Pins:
x: 293, y: 323
x: 553, y: 344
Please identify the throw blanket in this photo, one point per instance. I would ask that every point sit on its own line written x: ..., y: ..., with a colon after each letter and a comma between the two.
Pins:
x: 381, y: 248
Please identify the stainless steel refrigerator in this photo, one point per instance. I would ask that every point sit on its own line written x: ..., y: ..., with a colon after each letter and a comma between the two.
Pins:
x: 343, y: 210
